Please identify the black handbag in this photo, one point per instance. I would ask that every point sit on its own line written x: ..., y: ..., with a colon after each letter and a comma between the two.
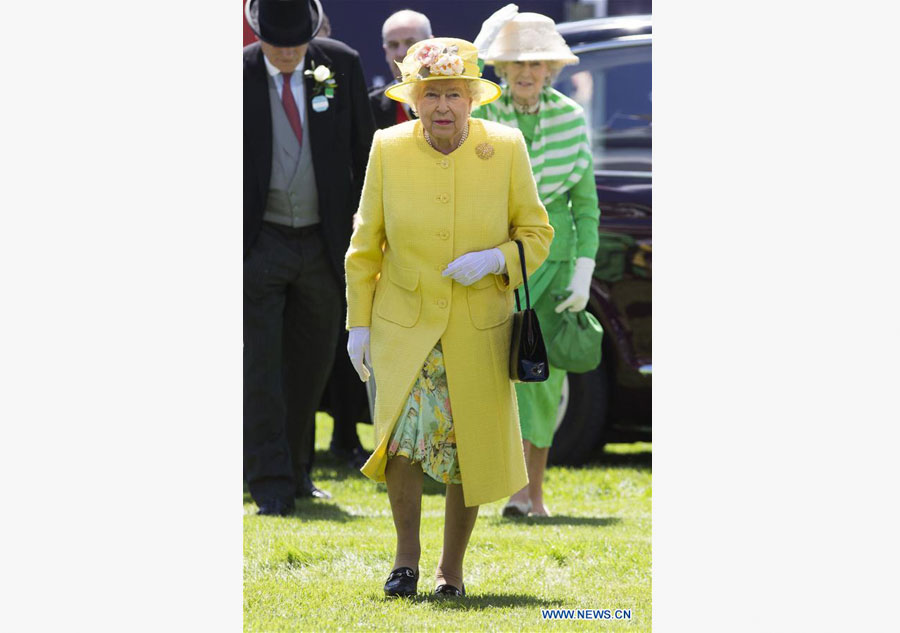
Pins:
x: 527, y: 354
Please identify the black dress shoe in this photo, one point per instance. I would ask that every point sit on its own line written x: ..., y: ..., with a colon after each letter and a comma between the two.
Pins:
x: 276, y: 507
x: 449, y: 590
x: 355, y: 457
x: 401, y: 583
x: 307, y: 489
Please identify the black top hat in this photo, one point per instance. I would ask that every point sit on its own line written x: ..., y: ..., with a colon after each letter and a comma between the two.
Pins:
x: 284, y: 22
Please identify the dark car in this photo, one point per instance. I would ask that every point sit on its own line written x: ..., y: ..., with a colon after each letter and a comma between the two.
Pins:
x: 613, y: 84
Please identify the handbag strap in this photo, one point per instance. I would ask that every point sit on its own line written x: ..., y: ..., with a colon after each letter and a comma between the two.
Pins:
x: 524, y: 280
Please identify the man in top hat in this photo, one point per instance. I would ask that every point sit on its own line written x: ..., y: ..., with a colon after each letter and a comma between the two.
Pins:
x: 307, y: 132
x: 400, y: 31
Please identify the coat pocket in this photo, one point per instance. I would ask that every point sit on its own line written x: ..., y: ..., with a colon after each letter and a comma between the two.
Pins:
x: 488, y: 305
x: 401, y: 300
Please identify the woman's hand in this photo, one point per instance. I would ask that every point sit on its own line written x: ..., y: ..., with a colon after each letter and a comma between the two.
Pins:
x: 469, y: 268
x: 580, y: 286
x: 358, y: 349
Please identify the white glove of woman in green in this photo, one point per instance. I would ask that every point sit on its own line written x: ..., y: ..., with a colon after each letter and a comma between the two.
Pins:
x: 580, y: 286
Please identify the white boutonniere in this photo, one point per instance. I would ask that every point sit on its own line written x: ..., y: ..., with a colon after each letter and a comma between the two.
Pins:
x: 325, y: 83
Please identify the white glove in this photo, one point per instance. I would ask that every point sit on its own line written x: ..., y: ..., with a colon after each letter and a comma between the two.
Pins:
x: 469, y: 268
x: 492, y: 27
x: 580, y: 286
x: 358, y: 348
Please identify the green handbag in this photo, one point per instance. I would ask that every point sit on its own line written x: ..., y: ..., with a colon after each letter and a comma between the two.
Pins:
x: 575, y: 344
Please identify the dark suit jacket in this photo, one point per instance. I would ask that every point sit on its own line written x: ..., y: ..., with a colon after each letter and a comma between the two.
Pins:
x: 340, y: 138
x: 384, y: 108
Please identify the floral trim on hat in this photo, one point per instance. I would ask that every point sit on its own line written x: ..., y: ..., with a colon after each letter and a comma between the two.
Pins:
x: 433, y: 59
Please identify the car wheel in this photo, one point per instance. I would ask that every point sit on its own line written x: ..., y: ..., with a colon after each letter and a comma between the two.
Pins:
x: 581, y: 417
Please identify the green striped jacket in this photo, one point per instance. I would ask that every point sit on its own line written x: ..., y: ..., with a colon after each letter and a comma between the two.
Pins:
x: 560, y: 151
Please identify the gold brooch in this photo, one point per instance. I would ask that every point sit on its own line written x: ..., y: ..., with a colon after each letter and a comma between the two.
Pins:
x: 484, y: 151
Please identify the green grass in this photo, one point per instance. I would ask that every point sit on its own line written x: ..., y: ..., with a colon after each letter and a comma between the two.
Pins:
x: 323, y: 568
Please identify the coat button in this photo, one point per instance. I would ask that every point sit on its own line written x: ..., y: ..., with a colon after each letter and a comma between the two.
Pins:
x: 444, y: 235
x: 441, y: 303
x: 445, y: 163
x: 444, y: 197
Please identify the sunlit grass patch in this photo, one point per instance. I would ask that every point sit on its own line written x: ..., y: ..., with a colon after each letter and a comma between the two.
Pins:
x: 322, y: 569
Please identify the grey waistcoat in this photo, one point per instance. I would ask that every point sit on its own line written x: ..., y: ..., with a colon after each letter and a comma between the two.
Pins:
x: 293, y: 199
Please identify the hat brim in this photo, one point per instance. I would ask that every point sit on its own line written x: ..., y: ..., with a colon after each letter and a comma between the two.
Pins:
x: 403, y: 92
x: 251, y: 14
x: 532, y: 57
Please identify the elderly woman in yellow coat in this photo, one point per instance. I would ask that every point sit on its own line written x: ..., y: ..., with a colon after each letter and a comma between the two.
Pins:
x: 430, y: 271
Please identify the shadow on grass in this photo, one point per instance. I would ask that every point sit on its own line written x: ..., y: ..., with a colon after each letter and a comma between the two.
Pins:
x: 308, y: 510
x: 478, y: 601
x: 559, y: 519
x: 311, y: 510
x: 604, y: 459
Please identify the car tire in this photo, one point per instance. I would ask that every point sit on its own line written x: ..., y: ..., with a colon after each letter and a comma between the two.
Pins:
x: 582, y: 417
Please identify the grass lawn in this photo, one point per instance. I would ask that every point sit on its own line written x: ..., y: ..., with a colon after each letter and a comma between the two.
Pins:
x: 323, y: 568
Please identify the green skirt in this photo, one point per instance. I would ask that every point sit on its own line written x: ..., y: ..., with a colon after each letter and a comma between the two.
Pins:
x: 424, y: 431
x: 539, y: 401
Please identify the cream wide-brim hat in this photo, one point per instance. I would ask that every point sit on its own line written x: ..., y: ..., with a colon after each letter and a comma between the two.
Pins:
x: 437, y: 59
x: 529, y: 37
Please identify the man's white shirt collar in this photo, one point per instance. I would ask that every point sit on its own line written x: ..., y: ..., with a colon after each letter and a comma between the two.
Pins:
x: 297, y: 87
x: 274, y: 72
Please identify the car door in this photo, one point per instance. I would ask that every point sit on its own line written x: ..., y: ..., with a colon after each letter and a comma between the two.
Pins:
x: 612, y: 82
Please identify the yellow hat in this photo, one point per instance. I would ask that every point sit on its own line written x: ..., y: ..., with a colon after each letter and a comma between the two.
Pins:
x: 441, y: 58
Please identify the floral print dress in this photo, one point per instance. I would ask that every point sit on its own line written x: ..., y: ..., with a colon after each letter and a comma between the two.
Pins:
x: 424, y: 432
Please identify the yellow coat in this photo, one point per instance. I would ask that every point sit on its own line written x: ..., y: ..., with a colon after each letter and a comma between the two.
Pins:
x: 419, y: 211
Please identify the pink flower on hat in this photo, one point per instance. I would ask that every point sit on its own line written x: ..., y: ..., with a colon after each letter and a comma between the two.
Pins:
x: 427, y: 54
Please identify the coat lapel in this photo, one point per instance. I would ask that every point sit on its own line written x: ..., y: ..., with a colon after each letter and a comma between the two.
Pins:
x: 259, y: 121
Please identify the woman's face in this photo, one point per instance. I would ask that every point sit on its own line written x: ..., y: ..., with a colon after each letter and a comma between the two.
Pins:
x: 443, y: 106
x: 526, y: 79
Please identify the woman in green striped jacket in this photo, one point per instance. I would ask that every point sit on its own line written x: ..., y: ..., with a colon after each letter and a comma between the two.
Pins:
x: 528, y: 53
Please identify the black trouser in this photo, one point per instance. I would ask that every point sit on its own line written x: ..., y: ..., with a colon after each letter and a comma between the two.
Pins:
x: 345, y: 396
x: 292, y: 312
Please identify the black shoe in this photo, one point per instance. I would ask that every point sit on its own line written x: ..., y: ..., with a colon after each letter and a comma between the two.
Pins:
x: 449, y: 590
x: 355, y: 457
x: 401, y: 583
x: 276, y: 507
x: 307, y: 489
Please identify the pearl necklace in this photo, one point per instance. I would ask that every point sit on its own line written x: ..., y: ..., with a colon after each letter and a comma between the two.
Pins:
x: 527, y: 109
x: 462, y: 139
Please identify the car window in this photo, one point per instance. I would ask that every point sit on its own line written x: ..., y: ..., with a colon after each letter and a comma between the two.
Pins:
x: 613, y: 86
